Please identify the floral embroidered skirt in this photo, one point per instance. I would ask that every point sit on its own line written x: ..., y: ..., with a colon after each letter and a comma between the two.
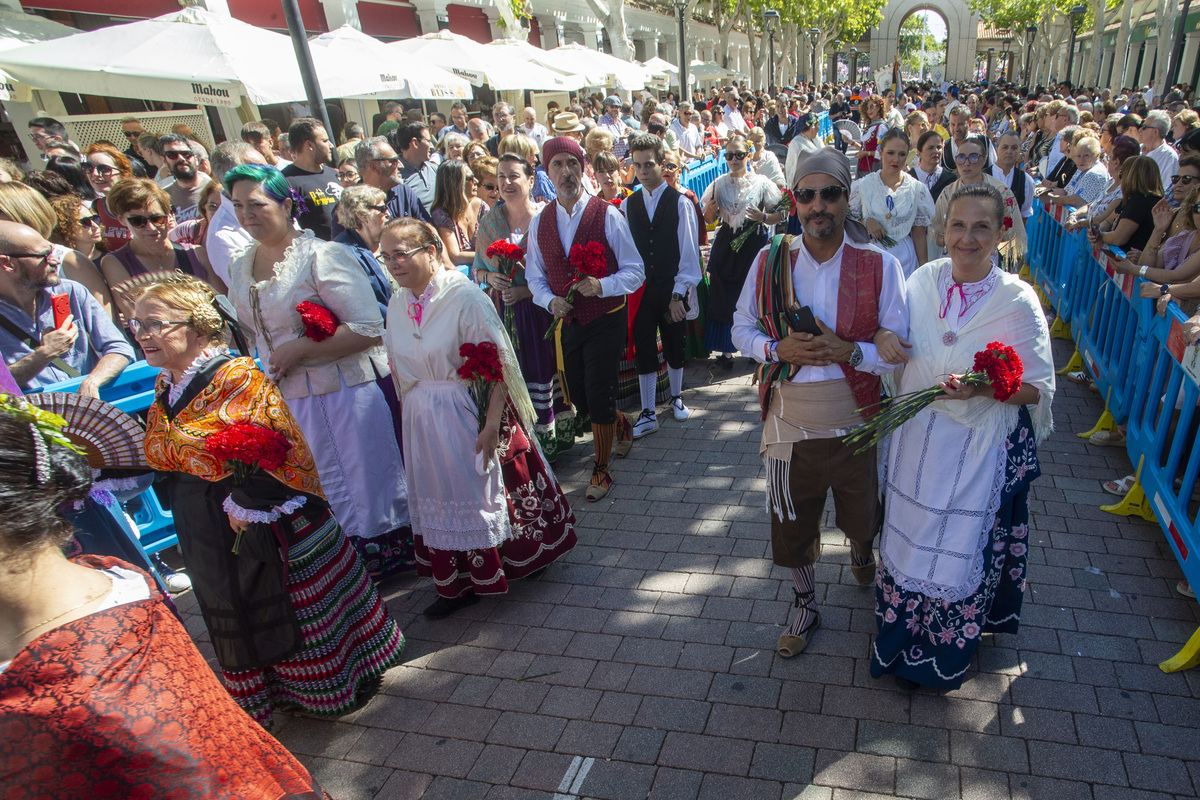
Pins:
x: 932, y: 641
x: 543, y: 526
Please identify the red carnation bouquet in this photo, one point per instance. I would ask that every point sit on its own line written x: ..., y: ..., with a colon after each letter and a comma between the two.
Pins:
x: 319, y: 321
x: 508, y: 258
x: 590, y: 260
x: 616, y: 202
x: 245, y: 448
x: 786, y: 205
x: 997, y: 365
x: 481, y: 369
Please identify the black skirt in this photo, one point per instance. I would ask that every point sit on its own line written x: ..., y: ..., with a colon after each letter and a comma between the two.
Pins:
x: 728, y: 268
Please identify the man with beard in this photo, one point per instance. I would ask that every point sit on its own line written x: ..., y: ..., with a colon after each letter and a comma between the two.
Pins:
x: 187, y: 179
x: 594, y: 323
x: 37, y: 352
x: 311, y: 176
x: 812, y: 383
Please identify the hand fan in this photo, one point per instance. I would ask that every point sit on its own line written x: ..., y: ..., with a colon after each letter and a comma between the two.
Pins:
x: 112, y: 438
x: 849, y: 129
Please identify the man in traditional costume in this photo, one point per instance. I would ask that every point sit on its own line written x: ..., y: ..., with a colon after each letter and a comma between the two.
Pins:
x: 816, y: 386
x: 663, y: 225
x: 595, y: 322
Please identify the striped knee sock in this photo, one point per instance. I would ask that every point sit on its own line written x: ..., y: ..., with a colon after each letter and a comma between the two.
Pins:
x: 806, y: 591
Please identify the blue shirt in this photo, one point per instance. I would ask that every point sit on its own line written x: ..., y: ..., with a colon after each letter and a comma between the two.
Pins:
x: 98, y: 336
x: 374, y: 272
x: 543, y: 189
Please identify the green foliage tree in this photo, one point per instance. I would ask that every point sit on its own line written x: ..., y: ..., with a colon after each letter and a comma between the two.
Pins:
x: 915, y: 35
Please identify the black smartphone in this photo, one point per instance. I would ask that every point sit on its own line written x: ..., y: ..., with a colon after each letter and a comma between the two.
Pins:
x: 802, y: 320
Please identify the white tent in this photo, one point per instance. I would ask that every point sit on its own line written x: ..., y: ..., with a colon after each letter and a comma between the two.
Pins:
x: 350, y: 50
x: 520, y: 50
x: 480, y: 65
x: 614, y: 71
x: 18, y: 30
x: 190, y: 56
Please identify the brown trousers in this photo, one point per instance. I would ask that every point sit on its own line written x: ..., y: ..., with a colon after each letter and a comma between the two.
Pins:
x: 817, y: 466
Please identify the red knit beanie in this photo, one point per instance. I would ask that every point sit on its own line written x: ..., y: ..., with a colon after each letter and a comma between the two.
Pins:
x: 561, y: 144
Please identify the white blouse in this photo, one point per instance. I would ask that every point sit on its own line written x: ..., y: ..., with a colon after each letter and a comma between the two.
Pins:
x: 768, y: 167
x: 899, y: 210
x: 734, y: 196
x: 315, y: 271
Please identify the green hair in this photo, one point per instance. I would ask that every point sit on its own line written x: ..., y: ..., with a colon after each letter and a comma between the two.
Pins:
x: 269, y: 178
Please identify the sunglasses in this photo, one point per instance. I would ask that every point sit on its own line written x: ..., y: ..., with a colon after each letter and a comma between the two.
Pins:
x: 669, y: 167
x: 91, y: 221
x: 490, y: 187
x: 968, y: 158
x: 42, y: 258
x: 736, y: 156
x: 132, y: 134
x: 140, y: 221
x: 380, y: 208
x: 100, y: 169
x: 391, y: 162
x: 1196, y: 208
x: 830, y: 194
x: 175, y: 155
x: 1184, y: 179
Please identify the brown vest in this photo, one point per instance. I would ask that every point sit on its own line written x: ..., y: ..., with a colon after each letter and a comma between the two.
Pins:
x: 560, y: 273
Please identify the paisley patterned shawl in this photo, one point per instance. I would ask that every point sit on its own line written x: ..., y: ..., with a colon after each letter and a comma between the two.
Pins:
x: 238, y: 392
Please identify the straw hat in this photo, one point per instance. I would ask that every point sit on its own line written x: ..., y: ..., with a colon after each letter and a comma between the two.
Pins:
x: 566, y: 122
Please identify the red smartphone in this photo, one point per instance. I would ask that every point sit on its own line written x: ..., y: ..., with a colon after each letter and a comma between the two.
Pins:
x: 62, y: 308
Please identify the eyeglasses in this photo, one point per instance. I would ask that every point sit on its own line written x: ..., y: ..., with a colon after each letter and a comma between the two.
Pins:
x: 669, y: 167
x: 736, y: 156
x: 100, y: 169
x: 1184, y: 179
x: 381, y: 208
x: 391, y: 162
x: 491, y: 187
x: 175, y: 155
x: 392, y: 258
x: 90, y: 221
x: 152, y: 326
x: 347, y: 174
x: 42, y: 258
x: 968, y: 158
x: 132, y: 134
x: 830, y: 194
x: 140, y: 221
x: 472, y: 179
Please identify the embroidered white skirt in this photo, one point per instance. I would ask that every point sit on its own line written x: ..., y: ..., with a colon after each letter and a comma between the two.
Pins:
x: 352, y: 442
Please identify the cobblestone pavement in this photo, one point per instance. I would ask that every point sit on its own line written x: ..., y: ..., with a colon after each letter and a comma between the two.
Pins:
x: 643, y: 665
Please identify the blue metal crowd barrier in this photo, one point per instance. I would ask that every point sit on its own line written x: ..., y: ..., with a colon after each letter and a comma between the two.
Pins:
x: 133, y: 392
x: 699, y: 176
x: 1148, y: 379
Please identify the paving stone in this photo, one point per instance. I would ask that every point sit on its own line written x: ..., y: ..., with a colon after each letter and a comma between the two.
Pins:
x: 855, y: 771
x: 921, y: 779
x: 1031, y: 787
x: 640, y: 745
x: 903, y: 741
x: 1073, y: 762
x: 783, y: 762
x: 744, y: 722
x: 592, y: 739
x: 722, y: 787
x: 676, y: 784
x: 1157, y: 773
x: 542, y: 771
x: 530, y: 731
x: 496, y: 764
x: 435, y: 755
x: 671, y: 713
x: 618, y: 780
x: 1021, y: 722
x: 988, y: 752
x: 707, y: 753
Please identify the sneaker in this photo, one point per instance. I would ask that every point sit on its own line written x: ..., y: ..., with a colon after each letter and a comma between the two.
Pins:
x: 647, y: 423
x: 680, y: 411
x: 177, y: 582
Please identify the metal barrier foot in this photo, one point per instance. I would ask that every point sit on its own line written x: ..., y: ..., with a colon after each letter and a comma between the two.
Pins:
x: 1060, y: 329
x: 1105, y: 423
x: 1025, y: 274
x: 1133, y: 504
x: 1186, y: 658
x: 1074, y: 365
x: 1045, y: 301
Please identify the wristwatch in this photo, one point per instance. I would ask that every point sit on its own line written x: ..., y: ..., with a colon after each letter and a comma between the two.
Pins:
x: 676, y: 296
x: 1164, y: 289
x: 856, y: 357
x: 769, y: 351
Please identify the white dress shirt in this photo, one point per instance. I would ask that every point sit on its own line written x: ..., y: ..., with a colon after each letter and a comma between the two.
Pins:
x: 630, y: 272
x: 734, y: 120
x: 689, y: 237
x: 225, y: 238
x: 687, y: 137
x: 1056, y: 154
x: 537, y: 132
x: 816, y: 286
x: 1007, y: 180
x: 1167, y: 159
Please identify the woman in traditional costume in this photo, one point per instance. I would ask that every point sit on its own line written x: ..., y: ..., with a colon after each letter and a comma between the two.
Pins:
x: 895, y: 207
x: 293, y: 616
x: 509, y: 221
x: 329, y: 383
x: 955, y: 536
x: 102, y: 692
x: 486, y: 508
x: 973, y: 169
x: 742, y: 201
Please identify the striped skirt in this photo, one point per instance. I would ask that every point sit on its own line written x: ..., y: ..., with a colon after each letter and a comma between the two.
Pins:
x: 349, y: 635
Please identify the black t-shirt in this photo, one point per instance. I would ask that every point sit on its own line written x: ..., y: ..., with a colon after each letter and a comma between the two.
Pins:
x: 320, y: 192
x: 839, y: 110
x: 1140, y: 209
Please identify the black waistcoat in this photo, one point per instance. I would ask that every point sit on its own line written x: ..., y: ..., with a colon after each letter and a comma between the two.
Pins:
x: 657, y: 239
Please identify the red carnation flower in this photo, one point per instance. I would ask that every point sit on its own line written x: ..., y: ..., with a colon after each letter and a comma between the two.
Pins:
x: 246, y: 447
x: 481, y: 368
x: 319, y: 322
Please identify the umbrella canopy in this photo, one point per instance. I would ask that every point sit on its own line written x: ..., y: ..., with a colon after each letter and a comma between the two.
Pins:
x: 614, y: 71
x: 190, y: 56
x: 18, y: 30
x: 349, y: 49
x: 661, y: 65
x: 709, y: 71
x: 521, y: 50
x: 480, y: 65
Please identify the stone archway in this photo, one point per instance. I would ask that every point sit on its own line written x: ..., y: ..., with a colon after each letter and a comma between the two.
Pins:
x: 962, y: 29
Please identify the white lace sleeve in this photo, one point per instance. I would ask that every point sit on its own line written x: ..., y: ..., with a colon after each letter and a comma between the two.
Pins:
x: 251, y: 515
x: 344, y: 290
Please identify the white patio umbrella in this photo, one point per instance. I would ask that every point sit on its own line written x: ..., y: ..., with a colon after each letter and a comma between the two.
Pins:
x: 709, y: 71
x: 18, y: 30
x: 190, y: 56
x: 519, y: 50
x: 349, y: 49
x: 471, y: 60
x: 616, y: 72
x: 661, y: 65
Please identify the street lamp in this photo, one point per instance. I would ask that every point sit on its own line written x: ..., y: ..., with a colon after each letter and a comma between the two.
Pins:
x: 681, y: 7
x: 770, y: 20
x: 814, y: 33
x: 991, y: 63
x: 837, y: 51
x: 853, y: 65
x: 1030, y: 33
x: 1076, y: 14
x: 1007, y: 54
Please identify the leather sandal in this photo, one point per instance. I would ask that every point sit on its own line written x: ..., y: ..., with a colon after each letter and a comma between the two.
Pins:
x: 600, y: 484
x: 623, y: 441
x: 865, y: 574
x: 791, y: 644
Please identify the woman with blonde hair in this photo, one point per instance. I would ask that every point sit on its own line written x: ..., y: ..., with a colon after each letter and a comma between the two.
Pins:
x: 24, y: 204
x: 144, y: 208
x: 762, y: 160
x: 527, y: 148
x: 104, y: 165
x: 1185, y: 121
x: 486, y: 187
x: 1141, y: 189
x: 455, y: 210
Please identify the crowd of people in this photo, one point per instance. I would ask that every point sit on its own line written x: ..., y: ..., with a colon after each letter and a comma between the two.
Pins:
x: 367, y: 270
